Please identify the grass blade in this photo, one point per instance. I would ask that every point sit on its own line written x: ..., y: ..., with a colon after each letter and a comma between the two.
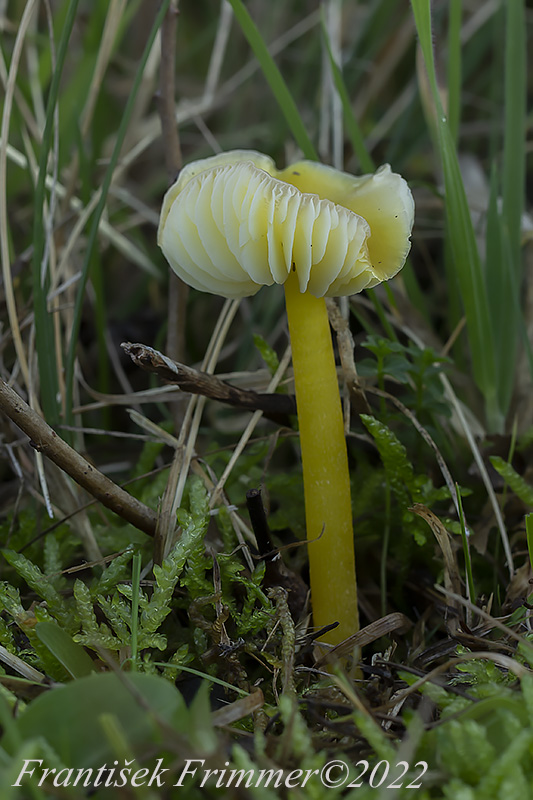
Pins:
x: 275, y: 80
x: 514, y: 167
x: 466, y: 548
x: 454, y: 67
x: 497, y: 288
x: 513, y: 189
x: 529, y: 534
x: 44, y: 324
x: 466, y: 260
x: 368, y: 165
x: 70, y: 655
x: 93, y: 233
x: 354, y: 130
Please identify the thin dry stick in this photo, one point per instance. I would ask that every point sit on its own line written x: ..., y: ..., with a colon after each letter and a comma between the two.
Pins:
x: 283, y: 364
x: 503, y: 661
x: 189, y: 109
x: 217, y: 491
x: 273, y: 406
x: 18, y: 665
x: 213, y: 351
x: 167, y: 109
x: 219, y: 50
x: 333, y: 19
x: 187, y: 436
x: 480, y: 612
x: 178, y: 290
x: 483, y: 470
x: 33, y: 118
x: 345, y: 344
x: 124, y: 245
x: 44, y: 439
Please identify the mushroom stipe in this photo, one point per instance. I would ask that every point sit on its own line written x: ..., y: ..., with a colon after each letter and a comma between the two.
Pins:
x: 233, y: 223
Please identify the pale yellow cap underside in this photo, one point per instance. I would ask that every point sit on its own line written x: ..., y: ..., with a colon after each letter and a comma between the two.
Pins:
x: 233, y: 223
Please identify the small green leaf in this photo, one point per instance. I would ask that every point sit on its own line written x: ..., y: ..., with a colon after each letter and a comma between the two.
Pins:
x: 72, y: 657
x: 69, y: 717
x: 394, y: 456
x: 519, y: 486
x: 268, y: 354
x: 41, y: 584
x: 529, y: 535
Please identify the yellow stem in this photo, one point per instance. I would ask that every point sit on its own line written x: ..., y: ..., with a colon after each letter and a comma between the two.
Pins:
x: 328, y: 508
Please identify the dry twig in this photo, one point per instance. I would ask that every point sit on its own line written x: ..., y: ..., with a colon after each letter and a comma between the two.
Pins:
x: 276, y: 407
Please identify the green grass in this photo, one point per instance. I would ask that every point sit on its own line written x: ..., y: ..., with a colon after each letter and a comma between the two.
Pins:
x: 44, y: 326
x: 120, y: 658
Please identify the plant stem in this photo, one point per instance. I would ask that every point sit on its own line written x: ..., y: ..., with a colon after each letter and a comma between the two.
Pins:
x: 135, y: 591
x: 328, y: 507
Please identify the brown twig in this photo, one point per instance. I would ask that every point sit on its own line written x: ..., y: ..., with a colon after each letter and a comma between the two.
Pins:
x: 44, y: 439
x: 276, y: 407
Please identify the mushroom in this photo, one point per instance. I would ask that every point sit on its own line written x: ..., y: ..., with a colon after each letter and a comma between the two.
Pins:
x: 233, y: 223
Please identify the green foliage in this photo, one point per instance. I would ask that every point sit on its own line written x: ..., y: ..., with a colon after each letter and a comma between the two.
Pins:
x: 44, y: 339
x: 190, y: 546
x: 268, y: 354
x: 99, y: 614
x: 55, y: 716
x: 53, y: 563
x: 520, y: 487
x: 466, y: 257
x: 482, y: 741
x: 94, y: 634
x: 114, y: 572
x: 6, y: 636
x: 529, y: 536
x: 415, y: 368
x: 251, y: 620
x: 167, y: 575
x: 398, y: 468
x: 406, y: 487
x: 484, y: 294
x: 41, y: 584
x: 72, y: 657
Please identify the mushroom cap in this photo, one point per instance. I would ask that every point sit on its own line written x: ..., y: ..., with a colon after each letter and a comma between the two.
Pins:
x: 232, y: 223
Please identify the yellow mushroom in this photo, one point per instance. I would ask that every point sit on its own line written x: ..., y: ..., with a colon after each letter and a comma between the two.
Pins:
x: 233, y: 223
